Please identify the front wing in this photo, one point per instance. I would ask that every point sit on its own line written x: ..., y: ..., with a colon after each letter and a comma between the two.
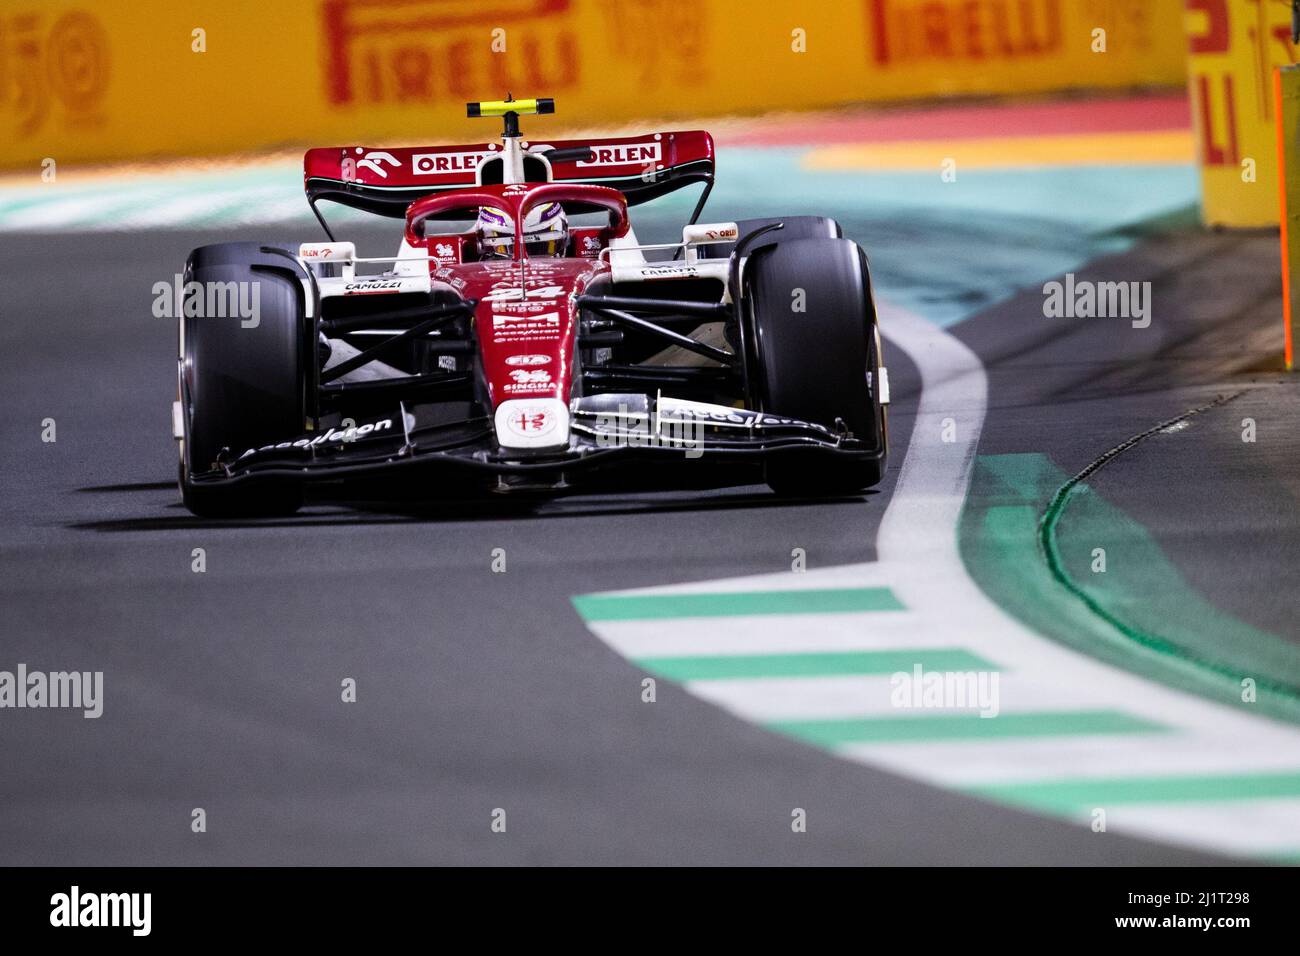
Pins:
x: 607, y: 431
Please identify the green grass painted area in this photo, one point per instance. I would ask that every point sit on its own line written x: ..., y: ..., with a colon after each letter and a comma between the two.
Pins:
x: 965, y: 726
x: 1081, y: 796
x: 1152, y: 622
x: 613, y: 607
x: 845, y: 663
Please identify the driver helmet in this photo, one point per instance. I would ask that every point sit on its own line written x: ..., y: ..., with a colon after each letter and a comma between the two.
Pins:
x: 546, y: 231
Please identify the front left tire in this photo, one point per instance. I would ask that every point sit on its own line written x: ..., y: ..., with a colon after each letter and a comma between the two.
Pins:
x: 242, y: 384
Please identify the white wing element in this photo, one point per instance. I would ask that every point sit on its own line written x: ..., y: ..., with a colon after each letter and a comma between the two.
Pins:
x: 373, y: 159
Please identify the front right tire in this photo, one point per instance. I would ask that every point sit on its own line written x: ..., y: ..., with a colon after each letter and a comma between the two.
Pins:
x: 816, y: 357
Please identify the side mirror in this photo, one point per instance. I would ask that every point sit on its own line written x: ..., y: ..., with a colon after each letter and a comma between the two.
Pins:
x: 708, y: 232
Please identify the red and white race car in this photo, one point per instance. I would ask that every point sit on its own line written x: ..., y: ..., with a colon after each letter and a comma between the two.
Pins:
x: 523, y: 340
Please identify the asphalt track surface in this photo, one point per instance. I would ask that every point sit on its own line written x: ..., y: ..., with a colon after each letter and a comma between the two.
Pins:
x: 476, y: 690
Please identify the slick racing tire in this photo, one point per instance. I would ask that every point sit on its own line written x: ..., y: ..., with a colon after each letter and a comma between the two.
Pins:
x: 795, y: 227
x: 821, y: 364
x: 242, y: 381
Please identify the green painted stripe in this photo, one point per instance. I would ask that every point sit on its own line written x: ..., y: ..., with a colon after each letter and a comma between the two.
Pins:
x: 730, y: 666
x: 832, y: 733
x: 1081, y: 796
x: 613, y: 607
x: 1142, y: 615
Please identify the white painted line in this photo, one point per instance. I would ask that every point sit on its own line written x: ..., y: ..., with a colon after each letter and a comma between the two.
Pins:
x: 921, y: 563
x: 1266, y: 827
x: 767, y: 634
x: 972, y: 763
x: 864, y: 575
x: 764, y: 699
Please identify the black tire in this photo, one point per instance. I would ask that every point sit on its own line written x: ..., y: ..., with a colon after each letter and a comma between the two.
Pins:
x: 795, y: 227
x: 242, y: 386
x: 814, y: 364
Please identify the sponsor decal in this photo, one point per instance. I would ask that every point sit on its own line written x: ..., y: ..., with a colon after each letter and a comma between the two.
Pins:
x: 375, y: 159
x: 522, y: 306
x: 57, y: 69
x: 329, y: 436
x: 709, y: 413
x: 508, y: 327
x: 590, y: 246
x: 675, y: 410
x: 442, y: 164
x: 624, y: 154
x: 549, y: 320
x: 527, y: 359
x: 372, y: 286
x: 529, y: 380
x: 764, y: 420
x: 668, y: 272
x: 951, y: 31
x: 446, y: 252
x: 542, y: 268
x: 371, y: 57
x: 505, y: 291
x: 530, y: 421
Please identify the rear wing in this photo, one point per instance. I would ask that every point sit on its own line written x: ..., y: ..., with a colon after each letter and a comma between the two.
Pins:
x: 387, y: 181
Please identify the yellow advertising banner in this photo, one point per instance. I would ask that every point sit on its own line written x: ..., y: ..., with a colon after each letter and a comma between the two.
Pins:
x: 1234, y: 46
x: 84, y: 81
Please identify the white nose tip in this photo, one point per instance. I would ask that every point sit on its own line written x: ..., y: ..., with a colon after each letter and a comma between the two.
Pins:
x: 532, y: 423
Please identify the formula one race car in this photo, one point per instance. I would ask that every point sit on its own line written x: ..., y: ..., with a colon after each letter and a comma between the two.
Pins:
x: 521, y: 340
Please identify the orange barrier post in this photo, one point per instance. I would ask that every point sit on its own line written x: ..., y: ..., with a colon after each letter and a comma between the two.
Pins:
x: 1286, y: 99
